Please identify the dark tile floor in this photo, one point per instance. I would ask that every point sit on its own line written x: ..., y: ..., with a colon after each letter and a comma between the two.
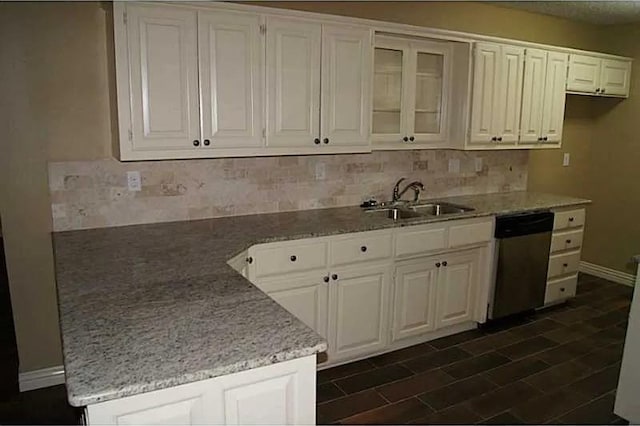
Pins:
x: 560, y: 365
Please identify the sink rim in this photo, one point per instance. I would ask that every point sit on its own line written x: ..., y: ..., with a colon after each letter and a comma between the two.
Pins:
x: 414, y: 209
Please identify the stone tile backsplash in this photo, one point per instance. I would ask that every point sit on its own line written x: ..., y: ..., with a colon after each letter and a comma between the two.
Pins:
x: 94, y: 194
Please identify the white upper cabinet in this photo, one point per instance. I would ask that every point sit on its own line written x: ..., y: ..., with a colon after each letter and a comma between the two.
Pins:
x: 299, y: 114
x: 231, y: 79
x: 543, y: 98
x: 164, y: 109
x: 497, y: 91
x: 293, y: 82
x: 509, y: 94
x: 206, y: 80
x: 554, y: 99
x: 346, y: 86
x: 614, y: 77
x: 533, y: 95
x: 410, y: 93
x: 485, y: 88
x: 596, y: 75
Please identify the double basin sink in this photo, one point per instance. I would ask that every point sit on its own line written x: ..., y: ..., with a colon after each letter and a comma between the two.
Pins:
x: 400, y: 211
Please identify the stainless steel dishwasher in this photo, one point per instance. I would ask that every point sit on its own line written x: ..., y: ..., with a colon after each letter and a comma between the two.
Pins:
x: 523, y: 243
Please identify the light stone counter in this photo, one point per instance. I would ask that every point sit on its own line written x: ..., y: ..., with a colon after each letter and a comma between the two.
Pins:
x: 148, y: 307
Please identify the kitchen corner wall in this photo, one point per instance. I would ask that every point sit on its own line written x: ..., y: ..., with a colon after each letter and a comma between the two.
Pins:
x: 57, y: 70
x: 90, y: 194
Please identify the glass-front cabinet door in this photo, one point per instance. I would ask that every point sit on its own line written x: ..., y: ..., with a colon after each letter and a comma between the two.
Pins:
x: 389, y: 95
x: 410, y: 93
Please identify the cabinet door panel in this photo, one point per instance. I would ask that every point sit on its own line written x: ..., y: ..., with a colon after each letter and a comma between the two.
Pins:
x: 554, y: 98
x: 346, y: 85
x: 584, y: 73
x: 164, y: 77
x: 509, y: 98
x: 231, y: 79
x: 615, y: 77
x: 457, y: 288
x: 430, y: 67
x: 305, y: 296
x: 359, y: 311
x: 293, y: 82
x: 485, y: 81
x: 533, y: 95
x: 415, y: 298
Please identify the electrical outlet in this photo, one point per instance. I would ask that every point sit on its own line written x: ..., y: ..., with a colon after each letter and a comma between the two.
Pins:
x: 566, y: 159
x: 454, y: 165
x: 134, y: 181
x: 478, y: 164
x: 321, y: 171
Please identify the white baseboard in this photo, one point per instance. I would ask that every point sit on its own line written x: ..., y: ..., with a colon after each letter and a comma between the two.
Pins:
x: 43, y: 378
x: 607, y: 273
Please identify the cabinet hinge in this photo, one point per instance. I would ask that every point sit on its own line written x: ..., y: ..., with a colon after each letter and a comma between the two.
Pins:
x: 130, y: 135
x: 263, y: 29
x: 124, y: 17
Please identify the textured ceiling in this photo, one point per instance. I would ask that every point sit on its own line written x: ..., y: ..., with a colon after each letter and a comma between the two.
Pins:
x: 595, y: 12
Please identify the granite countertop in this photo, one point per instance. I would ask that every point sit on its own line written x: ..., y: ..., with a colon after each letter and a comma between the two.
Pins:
x: 147, y: 307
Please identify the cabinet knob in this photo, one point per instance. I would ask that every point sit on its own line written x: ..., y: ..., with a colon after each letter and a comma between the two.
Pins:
x: 334, y: 277
x: 316, y: 141
x: 565, y: 265
x: 568, y: 241
x: 562, y: 289
x: 444, y: 263
x: 499, y: 138
x: 437, y: 264
x: 545, y: 139
x: 207, y: 142
x: 363, y: 249
x: 570, y: 219
x: 325, y: 279
x: 249, y: 259
x: 325, y: 140
x: 412, y: 139
x: 293, y: 258
x: 597, y: 90
x: 495, y: 138
x: 196, y: 142
x: 601, y: 90
x: 540, y: 139
x: 406, y: 139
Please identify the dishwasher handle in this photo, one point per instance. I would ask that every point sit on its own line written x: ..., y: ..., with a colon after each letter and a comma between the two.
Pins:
x: 523, y: 224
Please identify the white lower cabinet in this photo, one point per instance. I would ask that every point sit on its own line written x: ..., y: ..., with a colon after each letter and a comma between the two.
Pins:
x: 306, y: 296
x: 358, y: 310
x: 278, y: 394
x: 435, y: 292
x: 415, y: 289
x: 457, y: 287
x: 376, y: 291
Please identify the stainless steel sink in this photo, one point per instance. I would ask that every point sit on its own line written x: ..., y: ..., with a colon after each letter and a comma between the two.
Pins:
x: 409, y: 211
x: 439, y: 209
x: 395, y: 213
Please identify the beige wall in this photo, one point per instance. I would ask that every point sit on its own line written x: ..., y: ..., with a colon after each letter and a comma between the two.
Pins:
x: 613, y: 227
x: 57, y: 72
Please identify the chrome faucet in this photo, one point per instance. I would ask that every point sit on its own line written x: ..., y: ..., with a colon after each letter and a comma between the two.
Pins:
x: 417, y: 186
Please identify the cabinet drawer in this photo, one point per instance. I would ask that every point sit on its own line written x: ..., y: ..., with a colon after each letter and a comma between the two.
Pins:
x: 470, y: 233
x: 562, y: 264
x: 285, y: 258
x: 569, y: 219
x: 420, y: 239
x: 561, y: 289
x: 566, y: 240
x: 361, y: 247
